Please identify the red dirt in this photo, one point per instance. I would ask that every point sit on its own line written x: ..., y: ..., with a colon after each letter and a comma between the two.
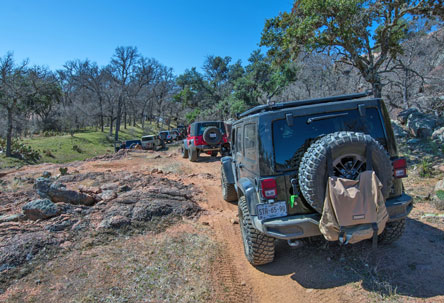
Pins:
x: 410, y: 270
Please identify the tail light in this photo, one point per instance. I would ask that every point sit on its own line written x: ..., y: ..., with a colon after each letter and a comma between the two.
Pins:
x: 269, y: 188
x: 400, y: 168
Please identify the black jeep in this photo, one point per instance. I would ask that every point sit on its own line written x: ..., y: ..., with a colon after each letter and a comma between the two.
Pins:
x: 278, y: 168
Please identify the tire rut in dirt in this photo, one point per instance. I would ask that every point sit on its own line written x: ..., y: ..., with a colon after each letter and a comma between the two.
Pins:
x: 313, y: 168
x: 228, y: 286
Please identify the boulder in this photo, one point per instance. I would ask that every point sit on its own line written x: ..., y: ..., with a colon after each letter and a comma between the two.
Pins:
x: 42, y: 186
x: 108, y: 195
x: 114, y: 222
x: 46, y: 175
x: 421, y: 125
x: 58, y: 193
x: 398, y: 130
x: 11, y: 218
x: 438, y: 195
x: 403, y: 116
x: 413, y: 141
x: 438, y: 134
x: 40, y: 209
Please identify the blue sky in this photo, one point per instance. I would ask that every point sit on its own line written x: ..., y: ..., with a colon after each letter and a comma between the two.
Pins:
x: 179, y: 34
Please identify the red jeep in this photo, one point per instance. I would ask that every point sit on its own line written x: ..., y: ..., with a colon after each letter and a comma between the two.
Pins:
x: 205, y: 137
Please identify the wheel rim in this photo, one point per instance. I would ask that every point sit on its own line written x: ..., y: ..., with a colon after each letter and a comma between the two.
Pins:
x: 349, y: 166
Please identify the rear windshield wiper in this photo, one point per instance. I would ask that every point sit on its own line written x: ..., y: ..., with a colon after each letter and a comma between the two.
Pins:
x: 313, y: 119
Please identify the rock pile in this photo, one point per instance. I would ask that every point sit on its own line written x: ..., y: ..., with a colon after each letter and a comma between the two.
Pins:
x: 65, y: 209
x: 418, y: 124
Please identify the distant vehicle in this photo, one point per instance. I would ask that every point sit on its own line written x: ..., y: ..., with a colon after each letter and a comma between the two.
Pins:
x: 166, y: 136
x: 152, y: 142
x: 205, y: 137
x: 175, y: 134
x: 129, y: 144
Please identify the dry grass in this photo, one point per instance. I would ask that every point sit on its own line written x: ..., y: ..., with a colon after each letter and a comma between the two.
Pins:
x: 146, y: 268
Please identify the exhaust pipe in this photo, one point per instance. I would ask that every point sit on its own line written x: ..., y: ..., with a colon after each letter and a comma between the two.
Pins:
x: 294, y: 243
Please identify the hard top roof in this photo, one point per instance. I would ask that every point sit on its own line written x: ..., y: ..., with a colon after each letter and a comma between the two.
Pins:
x: 277, y: 106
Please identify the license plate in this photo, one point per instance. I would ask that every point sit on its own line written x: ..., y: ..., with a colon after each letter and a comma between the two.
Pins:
x: 273, y: 210
x: 213, y: 135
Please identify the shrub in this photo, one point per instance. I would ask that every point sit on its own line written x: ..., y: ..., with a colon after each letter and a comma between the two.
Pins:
x: 48, y: 153
x: 425, y: 169
x: 77, y: 149
x: 20, y: 150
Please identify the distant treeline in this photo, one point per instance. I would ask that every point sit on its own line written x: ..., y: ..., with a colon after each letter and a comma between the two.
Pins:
x: 401, y: 59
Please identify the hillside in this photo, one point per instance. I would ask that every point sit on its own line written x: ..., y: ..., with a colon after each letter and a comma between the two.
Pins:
x: 66, y: 148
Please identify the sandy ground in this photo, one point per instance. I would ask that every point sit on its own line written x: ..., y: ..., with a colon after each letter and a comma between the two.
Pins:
x: 410, y: 270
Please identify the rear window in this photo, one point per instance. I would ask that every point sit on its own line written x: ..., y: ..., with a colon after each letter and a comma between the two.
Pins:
x: 147, y: 138
x: 202, y: 126
x: 291, y: 142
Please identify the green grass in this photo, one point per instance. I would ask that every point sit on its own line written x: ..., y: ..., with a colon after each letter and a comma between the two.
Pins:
x: 61, y: 149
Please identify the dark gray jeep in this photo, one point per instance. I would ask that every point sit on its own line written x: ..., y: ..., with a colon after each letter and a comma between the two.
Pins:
x: 277, y: 171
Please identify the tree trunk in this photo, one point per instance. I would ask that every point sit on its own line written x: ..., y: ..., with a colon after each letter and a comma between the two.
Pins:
x: 377, y: 88
x: 118, y: 118
x: 124, y: 119
x: 111, y: 126
x: 9, y: 134
x: 405, y: 94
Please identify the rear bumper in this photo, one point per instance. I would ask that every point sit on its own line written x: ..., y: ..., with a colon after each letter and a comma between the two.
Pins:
x: 399, y: 207
x: 291, y: 227
x: 303, y: 226
x: 206, y: 148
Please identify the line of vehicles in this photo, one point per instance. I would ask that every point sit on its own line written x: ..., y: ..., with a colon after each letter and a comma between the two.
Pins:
x: 154, y: 142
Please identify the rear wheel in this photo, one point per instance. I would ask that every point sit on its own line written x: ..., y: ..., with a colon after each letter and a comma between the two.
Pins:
x: 392, y: 232
x: 184, y: 152
x: 228, y: 190
x: 193, y: 155
x: 258, y: 247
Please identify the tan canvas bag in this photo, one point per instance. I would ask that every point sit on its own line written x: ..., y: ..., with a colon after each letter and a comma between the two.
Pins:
x: 354, y: 210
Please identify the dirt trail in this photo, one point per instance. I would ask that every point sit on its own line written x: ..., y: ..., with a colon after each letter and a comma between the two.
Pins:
x: 409, y: 270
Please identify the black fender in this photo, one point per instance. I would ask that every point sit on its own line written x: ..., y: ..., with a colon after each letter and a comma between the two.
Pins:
x: 228, y: 169
x: 246, y: 188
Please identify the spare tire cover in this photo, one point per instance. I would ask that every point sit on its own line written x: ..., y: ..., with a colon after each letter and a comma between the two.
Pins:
x: 349, y: 159
x: 212, y: 135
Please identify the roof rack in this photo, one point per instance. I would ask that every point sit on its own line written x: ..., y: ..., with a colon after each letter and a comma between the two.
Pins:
x: 275, y: 106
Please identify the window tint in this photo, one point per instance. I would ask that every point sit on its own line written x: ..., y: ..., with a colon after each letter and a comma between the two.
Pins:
x: 204, y: 125
x: 249, y: 141
x: 291, y: 142
x: 239, y: 140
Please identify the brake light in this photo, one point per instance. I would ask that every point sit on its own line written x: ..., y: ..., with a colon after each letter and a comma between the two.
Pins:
x: 269, y: 188
x: 400, y: 168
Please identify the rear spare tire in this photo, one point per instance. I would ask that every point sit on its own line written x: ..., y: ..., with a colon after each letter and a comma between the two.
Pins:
x: 348, y: 151
x: 212, y: 135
